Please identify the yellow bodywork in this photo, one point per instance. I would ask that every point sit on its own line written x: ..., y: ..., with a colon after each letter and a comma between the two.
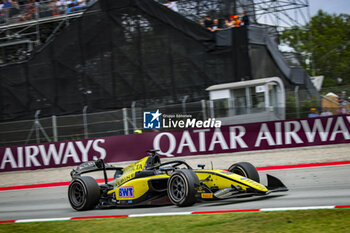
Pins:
x: 139, y: 187
x: 129, y: 171
x: 127, y: 188
x: 223, y: 179
x: 133, y: 188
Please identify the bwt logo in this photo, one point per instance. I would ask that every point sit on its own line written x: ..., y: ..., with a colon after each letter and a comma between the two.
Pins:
x: 151, y: 120
x: 126, y: 192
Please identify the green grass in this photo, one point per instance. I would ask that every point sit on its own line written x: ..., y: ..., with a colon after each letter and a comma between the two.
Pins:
x: 335, y: 220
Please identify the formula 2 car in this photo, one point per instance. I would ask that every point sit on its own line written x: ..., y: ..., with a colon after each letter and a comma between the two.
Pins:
x: 148, y: 181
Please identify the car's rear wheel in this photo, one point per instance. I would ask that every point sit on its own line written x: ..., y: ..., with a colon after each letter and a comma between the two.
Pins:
x: 182, y: 187
x: 83, y: 193
x: 245, y: 169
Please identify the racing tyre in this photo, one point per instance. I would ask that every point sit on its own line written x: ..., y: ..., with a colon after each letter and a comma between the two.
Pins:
x: 182, y: 187
x: 245, y: 169
x: 83, y: 193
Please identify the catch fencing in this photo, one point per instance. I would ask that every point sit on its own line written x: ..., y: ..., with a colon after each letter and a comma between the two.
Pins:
x: 117, y: 122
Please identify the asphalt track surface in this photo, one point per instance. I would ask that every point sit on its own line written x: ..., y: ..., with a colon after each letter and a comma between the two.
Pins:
x: 312, y: 186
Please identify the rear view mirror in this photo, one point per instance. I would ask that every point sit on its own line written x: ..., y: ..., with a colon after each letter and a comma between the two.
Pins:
x: 99, y: 163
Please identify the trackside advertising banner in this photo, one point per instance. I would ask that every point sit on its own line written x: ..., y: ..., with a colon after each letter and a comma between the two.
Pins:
x: 188, y: 141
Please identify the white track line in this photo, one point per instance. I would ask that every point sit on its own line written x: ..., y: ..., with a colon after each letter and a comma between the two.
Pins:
x: 176, y: 213
x: 298, y: 208
x: 42, y: 220
x: 159, y: 214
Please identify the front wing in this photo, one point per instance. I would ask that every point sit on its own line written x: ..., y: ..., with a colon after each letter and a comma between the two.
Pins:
x: 236, y: 188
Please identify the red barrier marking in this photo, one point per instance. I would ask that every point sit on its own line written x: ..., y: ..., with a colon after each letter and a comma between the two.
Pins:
x: 342, y: 206
x: 103, y: 180
x: 224, y: 211
x: 106, y: 216
x: 302, y: 165
x: 8, y: 221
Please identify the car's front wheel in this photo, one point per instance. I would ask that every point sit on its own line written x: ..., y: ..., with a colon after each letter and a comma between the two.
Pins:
x: 245, y: 169
x: 182, y: 187
x: 83, y: 193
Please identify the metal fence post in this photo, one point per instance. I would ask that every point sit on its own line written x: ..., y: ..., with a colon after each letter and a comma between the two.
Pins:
x: 204, y: 109
x: 297, y: 104
x: 37, y: 129
x: 211, y: 108
x: 86, y: 134
x: 54, y: 128
x: 184, y: 104
x: 133, y: 114
x: 125, y: 120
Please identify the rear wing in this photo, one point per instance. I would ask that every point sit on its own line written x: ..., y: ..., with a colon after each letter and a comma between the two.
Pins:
x: 93, y: 166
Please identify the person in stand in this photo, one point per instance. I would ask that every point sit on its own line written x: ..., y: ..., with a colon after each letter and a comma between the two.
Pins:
x: 237, y: 21
x: 230, y: 22
x: 29, y: 10
x: 15, y: 10
x: 313, y: 113
x: 6, y: 4
x: 215, y: 26
x: 76, y: 5
x: 341, y: 101
x: 245, y: 19
x: 207, y: 23
x: 59, y: 7
x: 2, y: 13
x: 6, y: 7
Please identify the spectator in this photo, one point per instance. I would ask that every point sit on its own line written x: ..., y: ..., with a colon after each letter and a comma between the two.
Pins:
x: 6, y: 4
x: 245, y: 19
x: 340, y: 95
x: 230, y: 22
x: 313, y: 113
x: 208, y: 23
x: 82, y: 4
x: 15, y: 10
x: 4, y: 10
x: 326, y: 112
x: 2, y: 14
x: 341, y: 101
x: 172, y: 5
x: 215, y: 26
x: 45, y: 9
x: 29, y: 10
x: 76, y: 5
x: 237, y: 21
x: 60, y: 7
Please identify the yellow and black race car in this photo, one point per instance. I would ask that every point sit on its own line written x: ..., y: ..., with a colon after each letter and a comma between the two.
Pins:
x: 150, y: 182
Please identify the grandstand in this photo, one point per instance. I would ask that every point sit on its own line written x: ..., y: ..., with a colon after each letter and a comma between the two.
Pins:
x: 122, y: 51
x: 138, y: 54
x: 27, y: 27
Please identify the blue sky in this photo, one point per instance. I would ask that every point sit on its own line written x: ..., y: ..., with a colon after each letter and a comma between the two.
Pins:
x: 330, y: 6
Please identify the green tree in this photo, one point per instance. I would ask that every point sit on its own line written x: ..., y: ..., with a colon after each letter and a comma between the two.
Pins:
x: 324, y: 45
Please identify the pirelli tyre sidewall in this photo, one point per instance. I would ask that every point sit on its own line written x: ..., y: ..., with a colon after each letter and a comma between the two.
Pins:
x: 83, y: 193
x: 245, y: 169
x: 181, y: 187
